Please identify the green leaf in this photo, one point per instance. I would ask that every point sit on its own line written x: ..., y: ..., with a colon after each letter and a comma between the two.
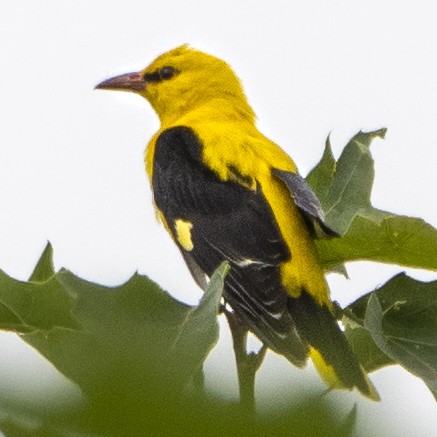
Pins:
x: 311, y: 416
x: 348, y: 425
x: 9, y: 321
x: 344, y: 188
x: 131, y: 349
x: 401, y: 318
x: 383, y: 237
x: 369, y: 355
x: 39, y: 304
x: 44, y: 268
x: 320, y: 177
x: 114, y: 323
x: 199, y: 331
x: 34, y: 306
x: 132, y: 339
x: 351, y: 181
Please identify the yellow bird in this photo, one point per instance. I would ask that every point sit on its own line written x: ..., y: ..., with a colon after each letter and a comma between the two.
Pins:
x: 226, y: 192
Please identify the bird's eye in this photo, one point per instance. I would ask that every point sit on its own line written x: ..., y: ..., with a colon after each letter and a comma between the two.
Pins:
x: 167, y: 72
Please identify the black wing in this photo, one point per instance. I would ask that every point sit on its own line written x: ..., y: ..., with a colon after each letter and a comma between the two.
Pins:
x: 228, y: 221
x: 307, y: 202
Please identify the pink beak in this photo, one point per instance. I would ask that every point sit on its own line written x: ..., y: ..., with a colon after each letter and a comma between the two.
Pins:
x: 125, y: 82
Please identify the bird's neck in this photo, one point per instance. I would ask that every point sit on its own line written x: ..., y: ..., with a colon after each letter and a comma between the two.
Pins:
x: 216, y: 109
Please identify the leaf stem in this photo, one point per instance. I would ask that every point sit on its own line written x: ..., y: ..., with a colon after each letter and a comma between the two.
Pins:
x: 247, y: 363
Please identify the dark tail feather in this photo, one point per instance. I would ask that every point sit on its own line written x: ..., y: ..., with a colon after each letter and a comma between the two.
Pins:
x: 255, y: 300
x: 318, y: 327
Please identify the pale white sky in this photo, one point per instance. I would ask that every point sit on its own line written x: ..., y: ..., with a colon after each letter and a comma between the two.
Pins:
x: 71, y: 159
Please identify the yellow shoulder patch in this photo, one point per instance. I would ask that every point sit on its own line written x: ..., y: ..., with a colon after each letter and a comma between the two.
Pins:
x: 183, y: 234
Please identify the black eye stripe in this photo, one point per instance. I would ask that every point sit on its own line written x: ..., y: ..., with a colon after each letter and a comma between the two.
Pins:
x: 152, y: 77
x: 164, y: 73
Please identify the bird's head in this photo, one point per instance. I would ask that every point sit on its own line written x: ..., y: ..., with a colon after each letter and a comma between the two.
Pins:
x: 182, y: 80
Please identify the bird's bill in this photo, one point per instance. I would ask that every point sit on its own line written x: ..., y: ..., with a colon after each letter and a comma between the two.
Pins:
x: 125, y: 82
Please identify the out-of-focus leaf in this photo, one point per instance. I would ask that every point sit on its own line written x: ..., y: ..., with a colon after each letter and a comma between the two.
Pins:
x: 131, y: 349
x: 315, y: 416
x: 344, y: 189
x: 365, y: 349
x: 401, y: 318
x: 133, y: 342
x: 348, y: 425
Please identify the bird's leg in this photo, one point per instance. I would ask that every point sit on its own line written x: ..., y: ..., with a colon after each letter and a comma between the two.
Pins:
x: 247, y: 363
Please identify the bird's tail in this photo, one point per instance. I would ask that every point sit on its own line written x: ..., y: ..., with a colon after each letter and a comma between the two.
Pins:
x: 329, y: 348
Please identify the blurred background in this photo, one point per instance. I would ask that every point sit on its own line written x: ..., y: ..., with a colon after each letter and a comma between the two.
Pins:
x: 71, y: 159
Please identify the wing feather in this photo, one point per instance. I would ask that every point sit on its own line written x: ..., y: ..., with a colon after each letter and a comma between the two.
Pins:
x: 230, y: 222
x: 306, y: 201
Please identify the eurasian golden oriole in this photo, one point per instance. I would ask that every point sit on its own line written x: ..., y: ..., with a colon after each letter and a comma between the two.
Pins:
x: 226, y: 192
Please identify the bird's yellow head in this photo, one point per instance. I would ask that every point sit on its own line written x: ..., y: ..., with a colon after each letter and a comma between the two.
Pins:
x: 183, y: 80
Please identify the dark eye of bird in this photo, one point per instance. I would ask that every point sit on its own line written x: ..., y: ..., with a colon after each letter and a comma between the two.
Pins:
x: 167, y: 72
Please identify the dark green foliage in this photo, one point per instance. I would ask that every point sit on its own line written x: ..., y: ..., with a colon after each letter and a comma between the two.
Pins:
x: 344, y: 189
x: 401, y: 320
